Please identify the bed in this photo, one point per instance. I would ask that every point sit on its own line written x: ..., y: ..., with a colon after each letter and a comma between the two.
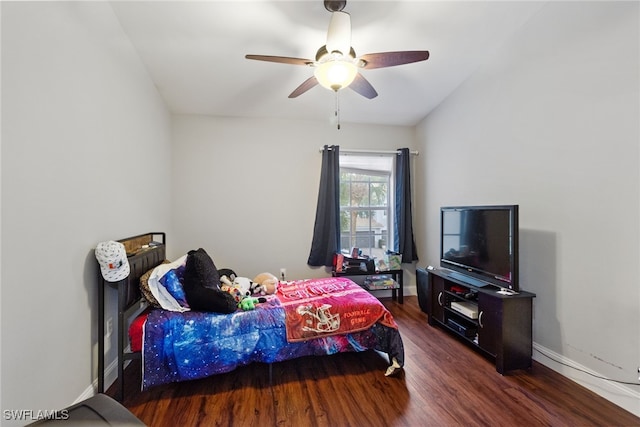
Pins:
x: 311, y: 317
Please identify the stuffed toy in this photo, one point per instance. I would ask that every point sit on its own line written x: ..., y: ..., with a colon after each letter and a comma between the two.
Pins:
x: 239, y: 288
x: 264, y: 284
x: 231, y: 275
x: 249, y: 303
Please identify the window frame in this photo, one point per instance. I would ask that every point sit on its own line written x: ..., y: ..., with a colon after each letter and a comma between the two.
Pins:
x: 387, y: 172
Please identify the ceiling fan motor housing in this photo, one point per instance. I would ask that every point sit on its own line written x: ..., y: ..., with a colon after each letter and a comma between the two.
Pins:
x: 323, y: 51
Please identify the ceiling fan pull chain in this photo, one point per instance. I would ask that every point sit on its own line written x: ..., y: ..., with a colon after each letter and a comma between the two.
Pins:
x: 337, y: 110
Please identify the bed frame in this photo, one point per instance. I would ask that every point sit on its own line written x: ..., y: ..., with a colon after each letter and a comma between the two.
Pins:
x: 144, y: 252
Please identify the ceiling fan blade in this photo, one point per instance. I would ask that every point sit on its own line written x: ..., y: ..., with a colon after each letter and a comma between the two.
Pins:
x: 389, y: 59
x: 305, y: 86
x: 339, y: 33
x: 281, y: 59
x: 363, y: 87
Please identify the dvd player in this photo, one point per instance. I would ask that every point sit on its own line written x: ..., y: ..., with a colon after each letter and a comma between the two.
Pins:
x: 467, y: 331
x: 468, y: 309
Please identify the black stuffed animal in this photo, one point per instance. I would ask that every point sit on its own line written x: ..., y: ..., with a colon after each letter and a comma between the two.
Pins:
x: 201, y: 285
x: 231, y: 275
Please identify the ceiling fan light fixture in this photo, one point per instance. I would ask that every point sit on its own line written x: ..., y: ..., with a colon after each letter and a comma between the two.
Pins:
x: 336, y: 74
x: 336, y: 64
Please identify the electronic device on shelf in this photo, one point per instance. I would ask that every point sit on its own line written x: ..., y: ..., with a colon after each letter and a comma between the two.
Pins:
x: 479, y: 244
x: 465, y: 308
x: 467, y: 331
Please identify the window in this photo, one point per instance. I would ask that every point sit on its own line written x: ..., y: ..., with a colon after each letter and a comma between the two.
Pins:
x: 366, y: 192
x: 375, y: 176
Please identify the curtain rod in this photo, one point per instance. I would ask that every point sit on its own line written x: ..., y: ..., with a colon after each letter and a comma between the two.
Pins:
x: 363, y: 151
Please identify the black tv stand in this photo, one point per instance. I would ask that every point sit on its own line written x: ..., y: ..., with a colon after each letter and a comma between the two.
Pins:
x: 498, y: 325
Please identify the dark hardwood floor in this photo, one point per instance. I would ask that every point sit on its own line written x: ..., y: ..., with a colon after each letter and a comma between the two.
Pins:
x: 444, y: 383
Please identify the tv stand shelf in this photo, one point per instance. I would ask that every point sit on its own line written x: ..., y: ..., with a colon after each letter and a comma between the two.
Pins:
x: 498, y: 325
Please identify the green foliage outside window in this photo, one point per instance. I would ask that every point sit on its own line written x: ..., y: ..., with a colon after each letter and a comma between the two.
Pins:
x: 364, y: 209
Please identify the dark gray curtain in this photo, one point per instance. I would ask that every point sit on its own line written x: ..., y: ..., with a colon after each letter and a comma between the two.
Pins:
x: 404, y: 242
x: 326, y: 230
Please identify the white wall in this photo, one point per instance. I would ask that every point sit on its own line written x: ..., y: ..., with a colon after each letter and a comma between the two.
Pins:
x: 246, y: 190
x: 85, y: 158
x: 552, y: 124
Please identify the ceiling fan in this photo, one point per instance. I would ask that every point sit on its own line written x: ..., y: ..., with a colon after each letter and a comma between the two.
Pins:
x: 336, y: 64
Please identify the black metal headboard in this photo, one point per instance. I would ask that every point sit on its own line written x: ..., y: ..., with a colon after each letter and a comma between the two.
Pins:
x: 144, y: 252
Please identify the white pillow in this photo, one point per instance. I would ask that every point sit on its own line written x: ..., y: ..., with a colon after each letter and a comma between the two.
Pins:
x: 161, y: 293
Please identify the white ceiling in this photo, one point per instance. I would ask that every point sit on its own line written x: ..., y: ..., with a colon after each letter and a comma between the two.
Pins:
x: 194, y: 52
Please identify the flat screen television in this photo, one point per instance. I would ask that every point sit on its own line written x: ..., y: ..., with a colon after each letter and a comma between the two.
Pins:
x: 481, y: 243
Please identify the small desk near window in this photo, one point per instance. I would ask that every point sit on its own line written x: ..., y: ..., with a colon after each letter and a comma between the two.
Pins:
x: 396, y: 294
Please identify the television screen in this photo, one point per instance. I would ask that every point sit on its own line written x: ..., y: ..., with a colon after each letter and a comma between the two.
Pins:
x: 481, y: 242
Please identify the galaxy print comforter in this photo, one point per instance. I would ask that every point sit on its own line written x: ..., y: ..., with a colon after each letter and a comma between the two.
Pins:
x: 191, y: 345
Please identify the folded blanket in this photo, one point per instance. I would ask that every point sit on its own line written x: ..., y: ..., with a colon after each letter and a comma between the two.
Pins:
x: 330, y: 306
